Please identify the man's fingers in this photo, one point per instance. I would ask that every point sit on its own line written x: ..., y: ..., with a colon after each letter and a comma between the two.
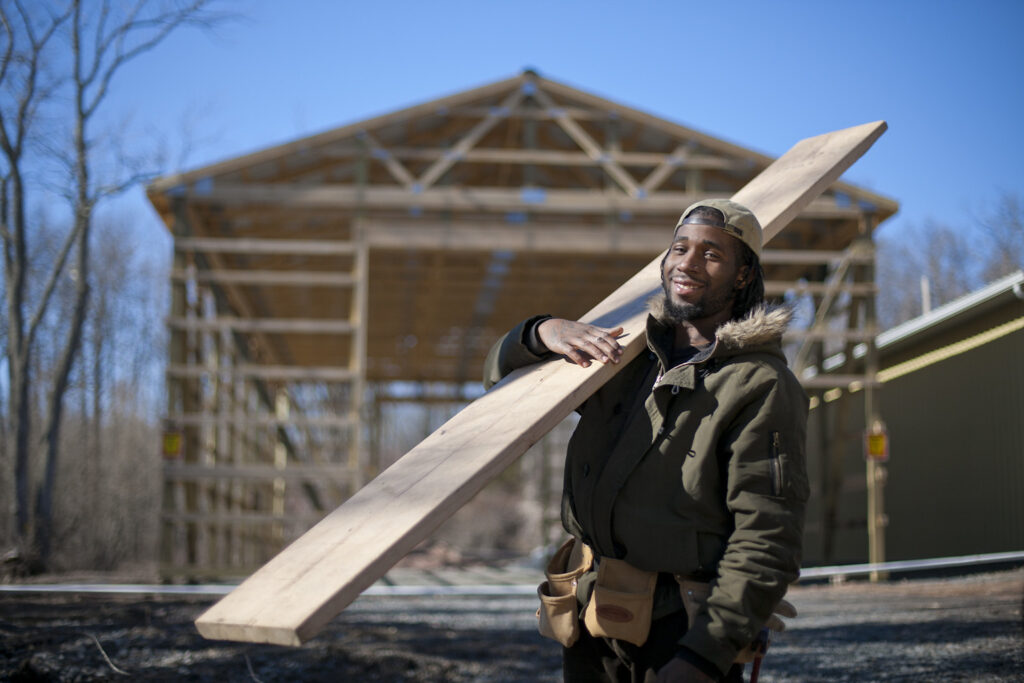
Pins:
x: 605, y: 343
x: 580, y: 342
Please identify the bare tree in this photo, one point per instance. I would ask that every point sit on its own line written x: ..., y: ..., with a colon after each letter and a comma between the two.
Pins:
x: 101, y: 36
x: 954, y: 260
x: 1004, y: 226
x: 945, y: 257
x: 25, y: 89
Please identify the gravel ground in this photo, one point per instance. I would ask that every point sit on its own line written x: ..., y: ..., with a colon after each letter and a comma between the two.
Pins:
x: 960, y: 629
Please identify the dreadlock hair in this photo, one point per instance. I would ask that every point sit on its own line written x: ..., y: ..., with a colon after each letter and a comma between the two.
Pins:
x: 752, y: 294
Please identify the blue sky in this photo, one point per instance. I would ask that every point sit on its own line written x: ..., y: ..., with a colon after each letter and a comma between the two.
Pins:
x: 947, y: 76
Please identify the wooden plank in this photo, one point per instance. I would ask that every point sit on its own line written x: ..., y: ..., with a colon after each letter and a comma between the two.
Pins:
x: 830, y: 381
x: 295, y: 594
x: 469, y: 199
x: 251, y: 419
x: 778, y: 287
x: 858, y: 335
x: 519, y: 238
x: 242, y: 518
x: 191, y: 472
x: 544, y: 157
x: 264, y: 325
x: 248, y: 245
x: 810, y: 257
x: 298, y: 278
x: 265, y: 372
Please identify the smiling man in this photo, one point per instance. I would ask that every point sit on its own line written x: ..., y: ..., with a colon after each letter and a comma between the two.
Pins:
x: 685, y: 480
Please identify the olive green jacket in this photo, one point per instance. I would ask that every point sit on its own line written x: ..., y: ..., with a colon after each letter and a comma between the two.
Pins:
x: 696, y: 469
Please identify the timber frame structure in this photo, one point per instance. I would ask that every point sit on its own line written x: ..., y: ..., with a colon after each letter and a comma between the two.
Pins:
x: 316, y: 281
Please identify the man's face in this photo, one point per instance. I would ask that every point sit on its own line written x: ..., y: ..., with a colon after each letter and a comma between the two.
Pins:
x: 701, y: 274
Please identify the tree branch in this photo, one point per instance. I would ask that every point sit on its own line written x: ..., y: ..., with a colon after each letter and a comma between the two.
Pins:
x: 165, y: 23
x: 51, y: 283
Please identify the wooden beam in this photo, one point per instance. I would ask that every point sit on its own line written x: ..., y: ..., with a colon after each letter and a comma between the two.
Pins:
x: 181, y: 472
x: 521, y: 238
x: 295, y: 594
x: 545, y: 157
x: 250, y: 419
x: 833, y: 283
x: 473, y: 199
x: 298, y: 278
x: 664, y: 169
x: 588, y: 145
x: 397, y: 170
x: 777, y: 287
x: 240, y: 518
x: 810, y: 257
x: 829, y: 381
x: 265, y: 372
x: 437, y: 169
x: 245, y: 245
x: 263, y: 325
x: 862, y: 335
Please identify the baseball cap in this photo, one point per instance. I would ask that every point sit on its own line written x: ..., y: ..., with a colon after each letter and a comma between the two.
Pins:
x: 740, y: 222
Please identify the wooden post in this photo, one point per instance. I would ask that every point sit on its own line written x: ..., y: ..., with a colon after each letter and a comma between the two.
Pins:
x: 876, y: 470
x: 295, y: 594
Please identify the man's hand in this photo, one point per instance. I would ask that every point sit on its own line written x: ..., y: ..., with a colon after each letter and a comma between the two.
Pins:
x: 681, y: 671
x: 579, y: 342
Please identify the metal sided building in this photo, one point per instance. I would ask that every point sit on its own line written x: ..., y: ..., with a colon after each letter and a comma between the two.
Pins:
x: 318, y: 281
x: 952, y: 397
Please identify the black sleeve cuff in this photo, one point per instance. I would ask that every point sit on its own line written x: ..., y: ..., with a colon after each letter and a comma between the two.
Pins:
x: 706, y: 667
x: 530, y: 339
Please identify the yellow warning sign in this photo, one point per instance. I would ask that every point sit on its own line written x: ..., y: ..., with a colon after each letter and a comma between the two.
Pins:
x: 876, y: 443
x: 172, y: 445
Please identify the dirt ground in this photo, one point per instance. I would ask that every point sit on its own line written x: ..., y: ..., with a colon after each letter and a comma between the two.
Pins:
x: 956, y: 629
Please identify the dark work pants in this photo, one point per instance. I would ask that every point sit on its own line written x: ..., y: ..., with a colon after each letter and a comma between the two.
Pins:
x: 605, y: 660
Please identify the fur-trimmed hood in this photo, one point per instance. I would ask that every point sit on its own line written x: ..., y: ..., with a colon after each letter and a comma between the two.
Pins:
x: 763, y: 325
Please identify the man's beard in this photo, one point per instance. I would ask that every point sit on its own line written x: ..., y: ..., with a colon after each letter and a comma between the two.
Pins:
x: 707, y: 306
x: 678, y: 313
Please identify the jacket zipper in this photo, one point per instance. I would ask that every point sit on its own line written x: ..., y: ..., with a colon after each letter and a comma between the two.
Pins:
x: 775, y: 466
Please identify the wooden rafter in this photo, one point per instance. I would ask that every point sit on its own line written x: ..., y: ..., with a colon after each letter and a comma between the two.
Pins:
x: 588, y: 145
x: 469, y: 199
x: 663, y: 170
x: 377, y: 151
x: 437, y: 169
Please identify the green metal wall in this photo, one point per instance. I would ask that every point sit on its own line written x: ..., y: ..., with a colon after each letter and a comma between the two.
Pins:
x: 956, y: 470
x: 956, y: 473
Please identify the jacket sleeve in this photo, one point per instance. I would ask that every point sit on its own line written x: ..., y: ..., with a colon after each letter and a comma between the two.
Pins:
x: 766, y: 496
x: 514, y: 351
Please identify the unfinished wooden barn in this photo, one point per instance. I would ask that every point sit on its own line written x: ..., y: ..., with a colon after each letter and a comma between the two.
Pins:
x: 318, y: 281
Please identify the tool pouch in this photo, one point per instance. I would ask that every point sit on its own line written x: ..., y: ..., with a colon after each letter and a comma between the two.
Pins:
x: 558, y: 616
x: 622, y: 602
